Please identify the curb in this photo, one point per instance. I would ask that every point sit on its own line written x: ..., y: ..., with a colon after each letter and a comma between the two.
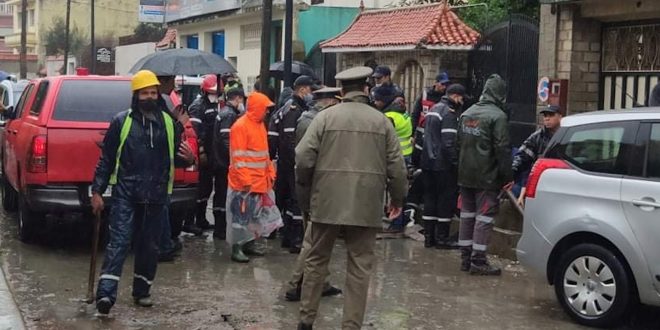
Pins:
x: 10, y: 316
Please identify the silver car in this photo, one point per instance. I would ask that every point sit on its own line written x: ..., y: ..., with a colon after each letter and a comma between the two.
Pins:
x: 592, y: 214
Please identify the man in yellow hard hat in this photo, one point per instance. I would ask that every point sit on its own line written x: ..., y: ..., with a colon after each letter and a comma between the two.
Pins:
x: 140, y: 150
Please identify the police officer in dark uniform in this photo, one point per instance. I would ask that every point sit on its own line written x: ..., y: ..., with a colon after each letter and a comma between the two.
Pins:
x: 202, y: 115
x: 227, y: 116
x: 282, y: 143
x: 439, y: 163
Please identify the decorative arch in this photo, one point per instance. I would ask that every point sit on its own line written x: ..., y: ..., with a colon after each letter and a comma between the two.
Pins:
x: 410, y: 77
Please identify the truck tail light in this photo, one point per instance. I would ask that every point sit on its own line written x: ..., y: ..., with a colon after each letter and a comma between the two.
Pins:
x: 541, y: 166
x: 37, y: 159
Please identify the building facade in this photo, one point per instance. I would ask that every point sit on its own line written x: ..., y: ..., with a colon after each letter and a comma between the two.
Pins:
x: 113, y: 18
x: 234, y: 30
x: 416, y: 43
x: 608, y: 50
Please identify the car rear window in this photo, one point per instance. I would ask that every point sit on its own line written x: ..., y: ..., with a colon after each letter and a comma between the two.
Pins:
x: 92, y: 100
x: 598, y: 148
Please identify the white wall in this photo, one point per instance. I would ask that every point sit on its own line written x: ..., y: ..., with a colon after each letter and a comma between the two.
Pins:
x: 126, y: 56
x: 248, y: 61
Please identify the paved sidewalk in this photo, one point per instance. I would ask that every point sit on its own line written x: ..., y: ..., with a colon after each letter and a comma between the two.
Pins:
x: 10, y: 317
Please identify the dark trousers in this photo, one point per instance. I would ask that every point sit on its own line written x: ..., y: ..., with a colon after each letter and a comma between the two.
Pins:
x: 220, y: 200
x: 140, y: 223
x: 440, y: 197
x: 209, y: 179
x: 285, y: 195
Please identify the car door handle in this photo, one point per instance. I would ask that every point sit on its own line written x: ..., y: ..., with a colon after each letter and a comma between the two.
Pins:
x: 14, y: 131
x: 646, y: 202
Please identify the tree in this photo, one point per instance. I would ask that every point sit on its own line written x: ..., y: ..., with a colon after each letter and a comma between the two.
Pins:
x: 55, y: 38
x: 480, y: 18
x: 149, y: 32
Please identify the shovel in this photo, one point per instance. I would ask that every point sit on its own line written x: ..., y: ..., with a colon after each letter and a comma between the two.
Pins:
x: 92, y: 263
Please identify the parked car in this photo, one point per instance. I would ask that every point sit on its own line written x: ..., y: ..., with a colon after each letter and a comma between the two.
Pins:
x: 53, y: 145
x: 10, y: 92
x: 592, y: 215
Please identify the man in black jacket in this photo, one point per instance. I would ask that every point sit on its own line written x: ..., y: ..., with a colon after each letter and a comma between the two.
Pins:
x: 202, y: 115
x: 439, y: 163
x: 138, y: 158
x: 535, y: 146
x: 429, y: 97
x: 227, y: 116
x: 282, y: 144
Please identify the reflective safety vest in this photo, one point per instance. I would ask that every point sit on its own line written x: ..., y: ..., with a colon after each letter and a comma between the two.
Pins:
x: 404, y: 130
x: 123, y: 135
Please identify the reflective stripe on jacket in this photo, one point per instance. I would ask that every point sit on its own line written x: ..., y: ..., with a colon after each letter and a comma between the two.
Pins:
x: 250, y: 164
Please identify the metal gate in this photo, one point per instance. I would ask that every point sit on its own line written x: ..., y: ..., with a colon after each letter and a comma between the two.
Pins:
x: 410, y: 77
x: 630, y: 64
x: 510, y: 49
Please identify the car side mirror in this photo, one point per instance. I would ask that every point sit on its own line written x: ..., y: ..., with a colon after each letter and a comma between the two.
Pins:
x: 9, y: 113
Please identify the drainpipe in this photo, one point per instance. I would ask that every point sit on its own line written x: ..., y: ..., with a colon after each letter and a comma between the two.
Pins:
x: 288, y: 43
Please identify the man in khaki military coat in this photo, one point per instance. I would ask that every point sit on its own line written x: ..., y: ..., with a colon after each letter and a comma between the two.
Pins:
x: 348, y: 158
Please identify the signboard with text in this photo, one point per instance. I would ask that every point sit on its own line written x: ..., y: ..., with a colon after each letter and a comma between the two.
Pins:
x: 151, y: 11
x: 181, y: 9
x: 104, y: 55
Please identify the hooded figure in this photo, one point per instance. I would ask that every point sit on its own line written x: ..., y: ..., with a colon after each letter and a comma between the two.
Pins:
x: 140, y: 150
x: 654, y: 100
x: 251, y: 177
x: 484, y: 168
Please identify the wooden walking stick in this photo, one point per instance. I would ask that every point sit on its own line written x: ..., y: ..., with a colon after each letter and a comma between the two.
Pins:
x: 92, y: 263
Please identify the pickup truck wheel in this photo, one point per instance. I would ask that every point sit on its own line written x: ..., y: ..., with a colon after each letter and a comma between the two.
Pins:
x: 593, y: 287
x: 28, y: 221
x: 9, y: 196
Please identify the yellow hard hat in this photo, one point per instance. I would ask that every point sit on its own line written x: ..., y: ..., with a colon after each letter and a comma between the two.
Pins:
x: 143, y: 79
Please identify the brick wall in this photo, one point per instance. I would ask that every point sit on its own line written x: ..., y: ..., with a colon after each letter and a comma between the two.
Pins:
x: 455, y: 62
x: 570, y: 49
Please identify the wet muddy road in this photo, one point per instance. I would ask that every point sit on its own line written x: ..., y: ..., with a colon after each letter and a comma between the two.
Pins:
x: 411, y: 288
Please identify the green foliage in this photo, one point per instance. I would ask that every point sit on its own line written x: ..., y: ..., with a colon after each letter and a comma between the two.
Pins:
x: 480, y: 18
x: 55, y: 38
x: 149, y: 32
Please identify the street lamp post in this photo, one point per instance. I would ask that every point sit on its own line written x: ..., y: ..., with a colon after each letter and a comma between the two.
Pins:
x: 93, y: 46
x: 288, y: 43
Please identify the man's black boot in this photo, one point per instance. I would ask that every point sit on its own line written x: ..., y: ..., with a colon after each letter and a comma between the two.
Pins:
x: 296, y: 233
x: 466, y: 259
x: 220, y: 227
x: 189, y: 227
x: 442, y: 240
x: 200, y: 217
x: 429, y: 233
x: 481, y: 266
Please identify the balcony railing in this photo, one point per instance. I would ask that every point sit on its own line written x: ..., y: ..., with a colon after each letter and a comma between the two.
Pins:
x: 6, y: 9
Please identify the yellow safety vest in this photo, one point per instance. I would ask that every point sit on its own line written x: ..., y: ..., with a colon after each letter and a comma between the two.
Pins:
x: 123, y: 135
x: 404, y: 130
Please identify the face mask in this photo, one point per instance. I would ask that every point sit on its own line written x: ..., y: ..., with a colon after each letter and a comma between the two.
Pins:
x: 213, y: 98
x: 241, y: 107
x: 148, y: 105
x: 308, y: 98
x: 378, y: 85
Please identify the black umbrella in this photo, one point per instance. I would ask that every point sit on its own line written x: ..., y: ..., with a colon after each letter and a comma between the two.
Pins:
x: 297, y: 69
x: 183, y: 61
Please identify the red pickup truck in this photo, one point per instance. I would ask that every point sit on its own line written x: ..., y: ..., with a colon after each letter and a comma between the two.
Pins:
x: 53, y: 143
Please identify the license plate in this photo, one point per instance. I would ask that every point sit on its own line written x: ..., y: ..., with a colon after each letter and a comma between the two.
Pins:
x: 107, y: 193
